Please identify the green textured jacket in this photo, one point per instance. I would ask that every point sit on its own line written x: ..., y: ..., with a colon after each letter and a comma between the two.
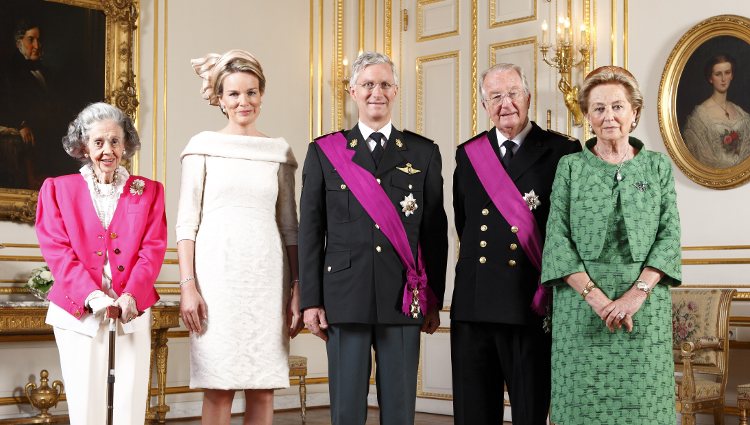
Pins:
x: 584, y: 196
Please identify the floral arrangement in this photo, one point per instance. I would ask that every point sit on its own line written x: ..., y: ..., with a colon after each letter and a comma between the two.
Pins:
x: 40, y: 282
x: 730, y: 141
x: 684, y: 320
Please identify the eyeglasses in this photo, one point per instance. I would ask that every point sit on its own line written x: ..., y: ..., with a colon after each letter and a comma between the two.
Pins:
x: 370, y: 86
x: 500, y: 97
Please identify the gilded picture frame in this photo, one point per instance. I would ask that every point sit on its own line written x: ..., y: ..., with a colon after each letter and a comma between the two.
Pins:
x: 119, y: 86
x: 702, y: 115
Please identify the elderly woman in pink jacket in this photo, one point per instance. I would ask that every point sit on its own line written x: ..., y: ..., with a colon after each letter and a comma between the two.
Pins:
x: 103, y: 234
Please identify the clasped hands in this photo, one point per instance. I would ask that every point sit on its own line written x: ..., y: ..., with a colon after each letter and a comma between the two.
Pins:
x: 126, y: 302
x: 617, y: 313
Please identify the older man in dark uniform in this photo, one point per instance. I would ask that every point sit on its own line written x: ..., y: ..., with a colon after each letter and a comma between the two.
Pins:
x: 501, y: 194
x: 372, y: 249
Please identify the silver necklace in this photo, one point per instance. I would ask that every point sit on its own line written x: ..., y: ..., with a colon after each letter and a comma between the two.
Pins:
x: 618, y: 174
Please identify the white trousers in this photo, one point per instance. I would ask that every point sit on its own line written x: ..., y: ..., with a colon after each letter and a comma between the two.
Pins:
x: 84, y: 368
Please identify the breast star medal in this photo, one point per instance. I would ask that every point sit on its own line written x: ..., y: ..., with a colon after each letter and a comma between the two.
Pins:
x: 532, y: 200
x: 409, y: 205
x: 409, y: 169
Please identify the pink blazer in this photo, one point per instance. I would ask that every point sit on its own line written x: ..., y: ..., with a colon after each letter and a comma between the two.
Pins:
x: 73, y: 241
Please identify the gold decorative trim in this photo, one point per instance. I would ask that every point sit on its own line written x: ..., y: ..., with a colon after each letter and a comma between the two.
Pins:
x: 515, y: 43
x: 625, y: 43
x: 320, y: 67
x: 164, y: 97
x: 387, y: 27
x: 120, y: 16
x: 594, y: 30
x: 310, y: 109
x: 714, y: 247
x: 707, y: 261
x: 420, y: 88
x: 375, y: 26
x: 420, y: 391
x: 613, y: 34
x: 420, y: 21
x: 135, y: 160
x: 473, y: 88
x: 362, y: 24
x: 155, y: 94
x: 338, y: 93
x: 714, y: 178
x: 495, y: 24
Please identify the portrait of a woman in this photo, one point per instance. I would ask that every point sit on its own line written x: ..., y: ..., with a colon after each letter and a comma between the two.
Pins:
x: 717, y: 132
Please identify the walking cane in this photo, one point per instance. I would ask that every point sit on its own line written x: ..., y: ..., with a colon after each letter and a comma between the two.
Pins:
x: 113, y: 313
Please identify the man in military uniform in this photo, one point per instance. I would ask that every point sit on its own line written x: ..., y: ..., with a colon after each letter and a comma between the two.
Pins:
x: 497, y: 314
x: 372, y: 229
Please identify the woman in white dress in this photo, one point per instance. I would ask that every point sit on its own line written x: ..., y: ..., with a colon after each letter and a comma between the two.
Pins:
x: 717, y: 132
x: 237, y: 247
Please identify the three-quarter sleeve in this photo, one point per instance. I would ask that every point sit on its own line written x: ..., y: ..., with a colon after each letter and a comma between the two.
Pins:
x: 286, y: 205
x: 560, y: 256
x: 665, y: 253
x: 189, y: 208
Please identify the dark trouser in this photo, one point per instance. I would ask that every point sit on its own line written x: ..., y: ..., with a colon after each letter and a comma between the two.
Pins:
x: 486, y: 355
x: 397, y: 357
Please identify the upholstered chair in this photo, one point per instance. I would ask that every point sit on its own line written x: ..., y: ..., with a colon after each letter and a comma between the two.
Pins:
x: 700, y: 331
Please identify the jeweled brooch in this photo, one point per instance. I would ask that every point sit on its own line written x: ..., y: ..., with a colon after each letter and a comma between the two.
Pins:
x: 532, y: 200
x: 409, y: 205
x: 641, y: 186
x: 136, y: 187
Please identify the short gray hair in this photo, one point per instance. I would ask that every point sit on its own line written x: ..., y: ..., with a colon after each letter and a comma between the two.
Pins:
x: 370, y: 58
x: 501, y: 67
x: 75, y: 141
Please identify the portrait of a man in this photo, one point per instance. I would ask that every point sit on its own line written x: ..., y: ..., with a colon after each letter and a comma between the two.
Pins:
x: 51, y: 66
x: 712, y: 102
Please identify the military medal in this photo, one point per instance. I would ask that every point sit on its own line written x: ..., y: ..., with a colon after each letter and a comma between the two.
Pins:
x: 409, y: 169
x: 353, y: 143
x: 532, y: 200
x: 399, y: 143
x: 409, y: 205
x: 414, y: 308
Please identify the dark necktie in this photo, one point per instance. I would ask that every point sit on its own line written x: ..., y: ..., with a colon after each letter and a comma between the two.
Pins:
x: 508, y: 145
x: 378, y: 150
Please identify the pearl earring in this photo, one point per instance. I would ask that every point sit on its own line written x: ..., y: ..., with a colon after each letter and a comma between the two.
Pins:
x: 223, y: 109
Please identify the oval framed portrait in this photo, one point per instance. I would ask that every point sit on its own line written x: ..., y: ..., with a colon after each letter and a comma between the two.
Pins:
x: 704, y: 102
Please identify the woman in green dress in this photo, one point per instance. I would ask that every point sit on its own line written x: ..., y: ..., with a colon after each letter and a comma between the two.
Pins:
x: 612, y: 250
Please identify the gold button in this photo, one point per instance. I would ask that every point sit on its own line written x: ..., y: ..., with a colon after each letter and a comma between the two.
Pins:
x: 343, y: 186
x: 512, y: 263
x: 378, y: 248
x: 99, y: 253
x: 376, y: 226
x: 513, y: 247
x: 483, y: 228
x: 377, y: 180
x: 482, y: 260
x: 485, y: 211
x: 483, y: 243
x: 329, y: 268
x: 514, y: 229
x: 113, y: 235
x: 77, y: 314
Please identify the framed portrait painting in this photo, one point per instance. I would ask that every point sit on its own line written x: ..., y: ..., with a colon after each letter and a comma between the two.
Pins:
x: 704, y: 102
x: 56, y: 57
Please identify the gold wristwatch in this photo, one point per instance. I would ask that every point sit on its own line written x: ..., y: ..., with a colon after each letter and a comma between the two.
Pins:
x: 643, y: 286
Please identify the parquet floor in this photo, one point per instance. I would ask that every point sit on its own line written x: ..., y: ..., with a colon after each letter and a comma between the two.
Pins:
x: 322, y: 416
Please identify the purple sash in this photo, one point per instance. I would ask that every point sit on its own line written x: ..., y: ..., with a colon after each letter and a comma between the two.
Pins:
x: 381, y: 210
x: 508, y: 200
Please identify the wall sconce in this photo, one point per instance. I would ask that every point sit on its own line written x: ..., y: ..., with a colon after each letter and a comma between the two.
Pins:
x: 564, y: 52
x: 345, y: 73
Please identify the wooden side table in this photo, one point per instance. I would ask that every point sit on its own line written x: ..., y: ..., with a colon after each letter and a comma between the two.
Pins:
x: 298, y: 368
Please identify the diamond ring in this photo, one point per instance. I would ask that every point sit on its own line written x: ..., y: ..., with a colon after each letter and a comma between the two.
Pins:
x: 621, y: 316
